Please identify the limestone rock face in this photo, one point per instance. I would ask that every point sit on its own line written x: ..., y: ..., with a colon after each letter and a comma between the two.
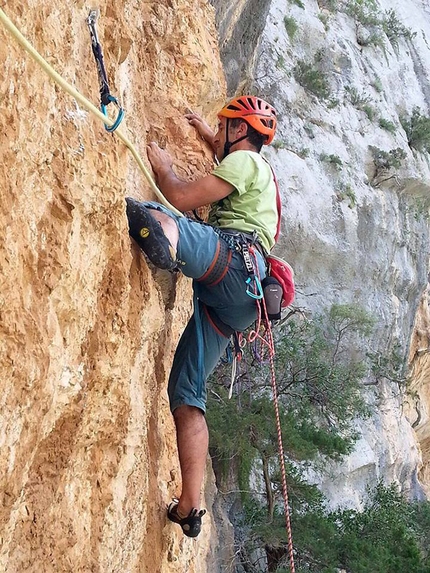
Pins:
x: 240, y: 25
x: 357, y: 230
x: 418, y: 405
x: 88, y: 458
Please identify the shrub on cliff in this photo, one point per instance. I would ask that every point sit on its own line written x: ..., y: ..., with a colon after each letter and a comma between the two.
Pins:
x: 417, y: 128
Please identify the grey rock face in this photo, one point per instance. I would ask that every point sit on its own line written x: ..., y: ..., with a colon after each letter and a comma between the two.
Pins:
x: 355, y: 193
x: 240, y: 24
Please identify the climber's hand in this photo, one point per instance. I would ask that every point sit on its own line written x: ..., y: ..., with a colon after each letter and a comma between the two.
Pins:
x: 160, y: 160
x: 201, y: 126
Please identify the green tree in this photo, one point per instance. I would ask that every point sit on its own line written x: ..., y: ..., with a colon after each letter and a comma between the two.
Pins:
x: 319, y: 374
x: 320, y: 368
x: 387, y: 536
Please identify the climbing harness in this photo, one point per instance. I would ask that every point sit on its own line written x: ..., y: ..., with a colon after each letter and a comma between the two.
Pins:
x: 105, y: 96
x: 233, y: 240
x: 68, y: 88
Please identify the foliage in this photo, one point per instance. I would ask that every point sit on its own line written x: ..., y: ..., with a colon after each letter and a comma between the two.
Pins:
x: 375, y: 38
x: 388, y: 535
x: 279, y: 144
x: 324, y: 19
x: 332, y: 103
x: 291, y: 27
x: 369, y: 111
x: 298, y: 3
x: 360, y: 101
x: 394, y: 29
x: 367, y: 13
x: 347, y: 192
x: 355, y: 97
x: 280, y: 62
x: 421, y: 209
x: 331, y: 5
x: 319, y: 391
x: 312, y: 79
x: 387, y: 125
x: 320, y: 369
x: 303, y: 152
x: 364, y: 11
x: 389, y: 366
x: 385, y: 160
x: 377, y: 84
x: 332, y: 159
x: 417, y: 129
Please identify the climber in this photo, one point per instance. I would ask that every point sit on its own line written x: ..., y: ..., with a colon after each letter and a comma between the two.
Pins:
x: 225, y: 259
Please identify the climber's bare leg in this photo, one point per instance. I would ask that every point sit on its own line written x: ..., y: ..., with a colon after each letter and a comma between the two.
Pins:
x: 193, y: 440
x: 168, y: 225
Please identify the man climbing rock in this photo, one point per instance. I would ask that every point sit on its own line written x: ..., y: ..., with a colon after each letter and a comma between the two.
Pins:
x: 225, y: 259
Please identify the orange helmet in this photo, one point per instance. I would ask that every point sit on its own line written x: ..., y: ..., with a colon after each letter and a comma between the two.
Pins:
x: 259, y: 114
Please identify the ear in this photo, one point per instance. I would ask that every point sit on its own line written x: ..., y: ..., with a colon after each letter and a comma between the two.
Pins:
x: 241, y: 129
x: 244, y: 127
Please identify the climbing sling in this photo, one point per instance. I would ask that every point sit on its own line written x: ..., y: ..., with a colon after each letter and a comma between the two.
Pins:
x: 105, y: 96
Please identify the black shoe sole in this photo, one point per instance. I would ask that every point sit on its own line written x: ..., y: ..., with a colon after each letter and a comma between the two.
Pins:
x: 191, y: 525
x: 149, y: 235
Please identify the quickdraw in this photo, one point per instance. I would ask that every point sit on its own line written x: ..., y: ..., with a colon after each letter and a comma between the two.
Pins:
x: 105, y: 96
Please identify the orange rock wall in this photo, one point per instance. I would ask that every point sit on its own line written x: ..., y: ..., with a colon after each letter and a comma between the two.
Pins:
x: 418, y: 402
x: 87, y: 330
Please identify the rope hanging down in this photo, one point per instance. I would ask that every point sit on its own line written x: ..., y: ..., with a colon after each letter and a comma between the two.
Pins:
x: 84, y: 102
x: 281, y: 455
x: 269, y: 342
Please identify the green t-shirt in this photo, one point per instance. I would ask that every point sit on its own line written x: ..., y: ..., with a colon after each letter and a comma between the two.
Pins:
x: 251, y: 206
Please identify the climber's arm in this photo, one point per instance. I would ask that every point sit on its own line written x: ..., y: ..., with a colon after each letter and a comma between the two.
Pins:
x: 185, y: 195
x: 202, y: 128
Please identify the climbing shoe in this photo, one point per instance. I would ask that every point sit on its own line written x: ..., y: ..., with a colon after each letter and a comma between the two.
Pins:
x: 192, y: 524
x: 149, y: 235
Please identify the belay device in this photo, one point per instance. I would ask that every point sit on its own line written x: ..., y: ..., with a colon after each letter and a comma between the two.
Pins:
x: 105, y: 96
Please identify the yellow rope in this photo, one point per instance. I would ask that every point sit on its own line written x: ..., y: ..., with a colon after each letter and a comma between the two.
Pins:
x: 84, y: 102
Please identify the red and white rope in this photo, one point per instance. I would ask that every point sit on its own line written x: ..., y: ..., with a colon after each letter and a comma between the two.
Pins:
x: 270, y: 343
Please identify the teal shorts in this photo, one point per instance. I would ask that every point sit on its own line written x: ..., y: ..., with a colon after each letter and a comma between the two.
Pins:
x: 229, y: 300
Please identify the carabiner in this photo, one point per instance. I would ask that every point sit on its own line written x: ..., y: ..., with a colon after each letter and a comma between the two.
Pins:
x: 120, y: 116
x: 259, y: 289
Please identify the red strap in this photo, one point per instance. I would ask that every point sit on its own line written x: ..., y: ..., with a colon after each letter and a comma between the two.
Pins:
x: 278, y: 207
x: 278, y: 202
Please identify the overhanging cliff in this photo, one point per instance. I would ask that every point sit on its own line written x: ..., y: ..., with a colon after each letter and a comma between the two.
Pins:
x: 88, y: 458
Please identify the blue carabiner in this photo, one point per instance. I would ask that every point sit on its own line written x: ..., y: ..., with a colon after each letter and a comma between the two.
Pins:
x: 259, y: 289
x: 111, y: 128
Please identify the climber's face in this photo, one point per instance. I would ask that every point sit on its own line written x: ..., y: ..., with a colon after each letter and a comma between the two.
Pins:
x: 235, y: 133
x: 220, y: 138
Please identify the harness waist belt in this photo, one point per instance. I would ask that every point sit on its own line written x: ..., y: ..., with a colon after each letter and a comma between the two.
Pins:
x: 230, y: 240
x: 219, y: 265
x: 233, y: 237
